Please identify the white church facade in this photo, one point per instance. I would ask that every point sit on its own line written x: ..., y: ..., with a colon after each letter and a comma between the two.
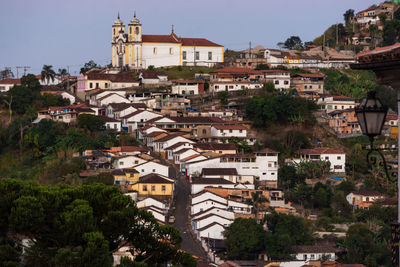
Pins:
x: 136, y: 50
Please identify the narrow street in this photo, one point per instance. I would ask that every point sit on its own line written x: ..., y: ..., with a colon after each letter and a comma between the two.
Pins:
x: 181, y: 211
x: 182, y: 221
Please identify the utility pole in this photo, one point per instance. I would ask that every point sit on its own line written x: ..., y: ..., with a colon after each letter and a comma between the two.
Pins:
x: 68, y: 78
x: 337, y: 35
x: 22, y: 67
x: 250, y: 49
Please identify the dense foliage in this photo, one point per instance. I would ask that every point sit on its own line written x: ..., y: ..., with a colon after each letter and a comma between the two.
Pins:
x: 79, y: 226
x: 266, y: 109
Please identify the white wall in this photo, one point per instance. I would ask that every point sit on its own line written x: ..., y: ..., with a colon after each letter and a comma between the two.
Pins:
x: 197, y: 224
x: 222, y: 212
x: 162, y: 57
x: 152, y: 167
x: 217, y: 55
x: 229, y: 86
x: 185, y: 89
x: 128, y: 162
x: 214, y: 232
x: 114, y: 98
x: 206, y: 205
x: 196, y: 188
x: 228, y: 133
x: 207, y: 195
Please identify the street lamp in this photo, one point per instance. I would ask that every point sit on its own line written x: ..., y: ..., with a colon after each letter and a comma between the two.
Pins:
x: 371, y: 116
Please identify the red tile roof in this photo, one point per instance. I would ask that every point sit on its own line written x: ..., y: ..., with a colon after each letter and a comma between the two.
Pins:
x: 234, y: 70
x: 365, y: 57
x: 10, y: 81
x: 267, y: 150
x: 159, y: 38
x: 320, y: 150
x: 309, y: 75
x: 190, y: 157
x: 229, y: 127
x: 198, y: 42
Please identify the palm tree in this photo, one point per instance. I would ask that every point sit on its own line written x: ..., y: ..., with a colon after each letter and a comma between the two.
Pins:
x: 47, y: 73
x: 257, y: 200
x: 63, y: 73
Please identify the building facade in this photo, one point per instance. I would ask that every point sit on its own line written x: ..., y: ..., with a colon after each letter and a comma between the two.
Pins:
x: 136, y: 50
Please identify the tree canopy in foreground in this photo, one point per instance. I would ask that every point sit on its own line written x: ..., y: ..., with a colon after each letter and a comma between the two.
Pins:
x: 80, y: 226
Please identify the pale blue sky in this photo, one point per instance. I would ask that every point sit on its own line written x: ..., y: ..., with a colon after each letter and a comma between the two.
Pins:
x: 71, y: 32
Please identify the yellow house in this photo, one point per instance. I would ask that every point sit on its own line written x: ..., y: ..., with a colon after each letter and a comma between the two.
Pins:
x: 154, y: 185
x: 125, y: 176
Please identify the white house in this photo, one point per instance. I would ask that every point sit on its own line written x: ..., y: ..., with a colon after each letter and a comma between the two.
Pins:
x: 46, y: 81
x: 204, y: 195
x: 214, y: 230
x: 176, y: 147
x: 207, y: 204
x: 149, y: 201
x: 227, y: 131
x: 95, y: 96
x: 183, y: 154
x: 262, y: 164
x: 198, y: 185
x: 127, y: 161
x: 152, y: 167
x: 7, y: 84
x: 131, y: 120
x: 157, y: 213
x: 218, y: 86
x: 111, y: 123
x: 187, y: 87
x: 229, y: 174
x: 332, y: 103
x: 337, y: 158
x: 213, y: 210
x: 364, y: 199
x: 111, y: 98
x: 208, y: 219
x: 315, y: 252
x: 280, y: 78
x: 169, y: 140
x: 119, y: 110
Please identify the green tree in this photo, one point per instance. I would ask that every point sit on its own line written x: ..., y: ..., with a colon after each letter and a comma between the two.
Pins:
x: 223, y: 97
x: 88, y: 65
x: 47, y: 74
x: 240, y: 246
x: 81, y: 226
x: 391, y: 32
x: 285, y: 231
x: 6, y: 74
x: 62, y: 73
x: 288, y: 177
x: 257, y: 201
x: 293, y: 42
x: 90, y: 122
x: 262, y: 67
x: 348, y: 15
x: 25, y: 95
x: 269, y: 87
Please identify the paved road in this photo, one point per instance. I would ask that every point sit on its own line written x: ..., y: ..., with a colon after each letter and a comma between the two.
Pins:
x: 182, y: 221
x: 182, y: 212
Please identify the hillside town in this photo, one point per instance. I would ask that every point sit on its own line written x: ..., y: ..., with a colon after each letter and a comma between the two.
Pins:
x: 257, y: 157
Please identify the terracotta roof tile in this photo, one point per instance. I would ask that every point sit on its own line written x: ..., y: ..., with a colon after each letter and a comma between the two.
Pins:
x: 320, y: 150
x: 198, y: 42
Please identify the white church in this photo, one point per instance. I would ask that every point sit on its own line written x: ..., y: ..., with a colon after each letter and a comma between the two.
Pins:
x: 137, y: 50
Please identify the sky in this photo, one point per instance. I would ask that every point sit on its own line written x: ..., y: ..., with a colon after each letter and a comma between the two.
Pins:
x: 65, y: 33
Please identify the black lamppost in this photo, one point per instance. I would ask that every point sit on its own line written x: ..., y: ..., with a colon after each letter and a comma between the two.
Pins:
x: 371, y: 116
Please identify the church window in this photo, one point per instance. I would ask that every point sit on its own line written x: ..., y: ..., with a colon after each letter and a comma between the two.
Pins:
x: 114, y: 31
x: 184, y: 55
x: 130, y: 30
x: 171, y: 51
x: 197, y: 55
x: 137, y: 30
x: 209, y: 55
x: 90, y: 85
x: 155, y: 51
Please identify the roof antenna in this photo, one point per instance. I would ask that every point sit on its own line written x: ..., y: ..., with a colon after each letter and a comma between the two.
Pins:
x: 134, y: 14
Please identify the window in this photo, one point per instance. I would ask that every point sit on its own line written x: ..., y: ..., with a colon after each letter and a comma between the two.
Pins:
x: 326, y: 158
x: 153, y: 188
x: 312, y: 256
x: 221, y: 131
x: 286, y: 82
x: 171, y: 51
x: 121, y: 163
x: 163, y: 188
x: 230, y: 131
x: 197, y: 55
x: 97, y: 85
x: 154, y: 170
x: 240, y: 131
x: 130, y: 30
x: 106, y: 85
x: 114, y: 31
x: 144, y: 187
x: 154, y: 50
x: 305, y: 86
x: 90, y: 85
x: 209, y: 55
x: 276, y: 82
x: 216, y: 86
x: 136, y: 162
x: 339, y: 157
x: 335, y: 107
x: 115, y: 126
x: 337, y: 167
x: 184, y: 55
x: 137, y: 30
